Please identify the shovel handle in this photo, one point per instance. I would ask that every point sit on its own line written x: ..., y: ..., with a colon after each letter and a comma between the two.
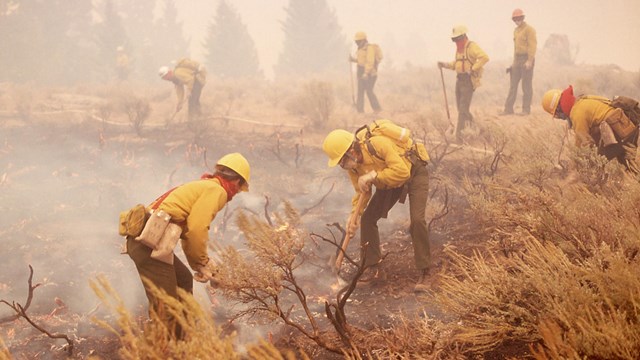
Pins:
x: 348, y: 235
x: 444, y: 91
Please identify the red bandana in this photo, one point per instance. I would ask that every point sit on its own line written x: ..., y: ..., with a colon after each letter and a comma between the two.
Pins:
x: 566, y: 100
x: 230, y: 187
x: 460, y: 44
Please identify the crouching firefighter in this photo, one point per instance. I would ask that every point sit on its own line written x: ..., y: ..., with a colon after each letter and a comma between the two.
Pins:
x: 597, y: 121
x: 385, y: 156
x: 184, y: 212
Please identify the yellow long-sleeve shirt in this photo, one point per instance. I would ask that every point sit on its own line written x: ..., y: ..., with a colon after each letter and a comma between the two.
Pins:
x: 471, y: 61
x: 524, y: 42
x: 194, y: 205
x: 393, y: 168
x: 186, y: 73
x: 366, y: 57
x: 586, y: 115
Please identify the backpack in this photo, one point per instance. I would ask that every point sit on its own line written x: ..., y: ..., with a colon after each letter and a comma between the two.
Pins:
x: 629, y: 106
x: 378, y: 54
x: 401, y: 136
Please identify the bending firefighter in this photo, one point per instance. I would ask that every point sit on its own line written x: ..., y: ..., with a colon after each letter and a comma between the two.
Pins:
x: 596, y: 123
x: 183, y: 213
x: 468, y: 65
x: 189, y: 77
x: 395, y: 168
x: 368, y: 57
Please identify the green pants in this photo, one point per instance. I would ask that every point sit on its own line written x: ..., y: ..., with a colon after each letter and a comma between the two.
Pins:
x: 164, y: 276
x: 381, y: 202
x: 464, y: 94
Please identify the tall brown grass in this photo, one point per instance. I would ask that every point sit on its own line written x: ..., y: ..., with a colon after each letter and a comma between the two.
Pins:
x: 559, y: 266
x: 152, y: 339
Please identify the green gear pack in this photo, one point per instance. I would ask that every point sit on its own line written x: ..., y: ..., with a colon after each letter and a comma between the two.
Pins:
x: 629, y: 106
x: 132, y: 221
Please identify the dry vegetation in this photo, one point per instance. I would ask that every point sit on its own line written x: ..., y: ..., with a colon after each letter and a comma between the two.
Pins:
x: 535, y: 242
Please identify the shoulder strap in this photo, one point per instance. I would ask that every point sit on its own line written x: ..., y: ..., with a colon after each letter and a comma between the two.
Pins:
x: 156, y: 203
x: 597, y: 98
x: 371, y: 149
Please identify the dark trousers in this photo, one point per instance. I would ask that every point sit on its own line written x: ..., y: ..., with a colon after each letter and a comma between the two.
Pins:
x: 365, y: 85
x: 381, y: 202
x: 194, y: 99
x: 519, y: 72
x: 464, y: 94
x: 164, y: 276
x: 624, y: 152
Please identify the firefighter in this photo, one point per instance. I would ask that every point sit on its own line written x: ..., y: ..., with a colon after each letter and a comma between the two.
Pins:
x: 192, y: 206
x: 468, y: 64
x: 394, y: 172
x: 524, y: 55
x: 368, y: 57
x: 189, y: 77
x: 596, y: 123
x: 123, y: 66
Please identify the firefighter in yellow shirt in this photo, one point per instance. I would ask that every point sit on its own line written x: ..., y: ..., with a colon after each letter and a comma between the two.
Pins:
x: 524, y: 56
x: 468, y: 64
x: 189, y: 77
x: 123, y: 66
x: 368, y: 57
x: 596, y: 123
x: 192, y: 206
x: 395, y: 173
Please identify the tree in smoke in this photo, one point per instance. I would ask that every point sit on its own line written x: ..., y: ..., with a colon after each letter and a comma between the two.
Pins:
x: 156, y: 36
x: 46, y: 41
x: 168, y: 42
x: 110, y: 34
x: 230, y: 49
x: 314, y: 42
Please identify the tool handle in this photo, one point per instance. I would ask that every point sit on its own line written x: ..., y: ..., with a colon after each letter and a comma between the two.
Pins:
x: 347, y: 235
x: 444, y: 91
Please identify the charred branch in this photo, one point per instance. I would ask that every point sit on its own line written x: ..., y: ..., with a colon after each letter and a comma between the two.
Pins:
x: 21, y: 311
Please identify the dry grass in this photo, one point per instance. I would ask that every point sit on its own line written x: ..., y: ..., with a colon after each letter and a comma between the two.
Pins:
x: 154, y: 340
x: 4, y: 352
x: 559, y: 269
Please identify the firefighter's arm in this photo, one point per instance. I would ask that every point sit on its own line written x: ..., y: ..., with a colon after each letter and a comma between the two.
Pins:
x: 370, y: 61
x: 479, y: 56
x: 203, y: 211
x: 180, y: 96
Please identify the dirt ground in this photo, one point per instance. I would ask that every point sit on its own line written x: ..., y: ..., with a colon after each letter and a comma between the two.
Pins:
x: 64, y: 178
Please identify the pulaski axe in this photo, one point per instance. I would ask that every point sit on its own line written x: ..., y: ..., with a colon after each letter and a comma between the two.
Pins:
x: 355, y: 217
x: 446, y: 104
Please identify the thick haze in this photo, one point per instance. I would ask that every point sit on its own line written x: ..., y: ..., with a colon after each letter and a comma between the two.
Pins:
x: 417, y: 31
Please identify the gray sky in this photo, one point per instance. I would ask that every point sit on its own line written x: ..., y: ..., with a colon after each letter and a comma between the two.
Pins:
x: 418, y: 30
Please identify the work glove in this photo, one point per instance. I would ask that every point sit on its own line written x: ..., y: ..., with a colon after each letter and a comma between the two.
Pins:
x: 508, y: 70
x: 441, y: 64
x: 364, y: 181
x: 207, y: 273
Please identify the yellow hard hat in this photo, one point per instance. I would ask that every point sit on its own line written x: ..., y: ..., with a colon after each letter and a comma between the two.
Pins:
x: 237, y: 163
x: 336, y: 144
x: 458, y: 30
x: 550, y: 101
x: 360, y: 35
